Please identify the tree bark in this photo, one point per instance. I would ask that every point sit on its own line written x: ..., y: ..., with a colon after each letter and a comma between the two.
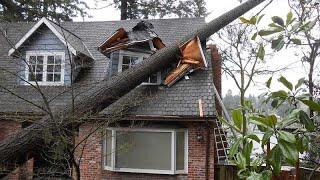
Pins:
x: 124, y: 9
x: 32, y: 138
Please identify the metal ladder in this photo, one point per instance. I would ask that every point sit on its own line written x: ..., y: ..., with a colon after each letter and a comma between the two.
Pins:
x: 221, y: 144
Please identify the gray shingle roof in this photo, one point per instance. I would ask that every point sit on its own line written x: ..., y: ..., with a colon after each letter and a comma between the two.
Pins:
x: 180, y: 100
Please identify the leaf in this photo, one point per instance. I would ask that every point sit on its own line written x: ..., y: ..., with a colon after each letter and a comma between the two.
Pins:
x: 278, y: 20
x: 257, y: 162
x: 261, y: 121
x: 254, y: 36
x: 289, y: 18
x: 296, y: 41
x: 279, y: 94
x: 237, y: 118
x: 253, y: 20
x: 277, y: 44
x: 274, y: 103
x: 286, y: 83
x: 272, y: 120
x: 260, y: 18
x: 266, y: 137
x: 234, y: 148
x: 268, y: 83
x: 311, y: 104
x: 247, y: 150
x: 289, y: 151
x: 306, y: 121
x: 287, y: 136
x: 253, y: 137
x: 300, y: 82
x: 302, y: 144
x: 280, y: 45
x: 266, y: 32
x: 244, y: 20
x: 261, y: 52
x: 275, y: 159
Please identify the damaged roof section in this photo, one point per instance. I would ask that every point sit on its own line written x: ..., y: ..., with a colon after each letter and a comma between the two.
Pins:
x: 122, y: 39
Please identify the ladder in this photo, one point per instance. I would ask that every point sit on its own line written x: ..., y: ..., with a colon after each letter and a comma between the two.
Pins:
x: 221, y: 144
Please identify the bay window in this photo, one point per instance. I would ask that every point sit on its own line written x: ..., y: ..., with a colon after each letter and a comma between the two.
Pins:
x: 162, y: 151
x: 47, y: 68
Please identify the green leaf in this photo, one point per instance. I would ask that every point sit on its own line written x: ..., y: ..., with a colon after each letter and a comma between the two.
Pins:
x: 278, y: 20
x: 253, y: 20
x: 257, y: 162
x: 261, y: 52
x: 279, y: 28
x: 311, y: 104
x: 266, y: 137
x: 254, y: 36
x: 237, y: 118
x: 306, y: 121
x: 268, y: 83
x: 234, y: 148
x: 277, y: 44
x: 296, y: 41
x: 279, y: 94
x: 274, y: 103
x: 240, y: 161
x: 302, y: 144
x: 261, y: 121
x: 287, y: 136
x: 260, y: 18
x: 272, y: 120
x: 289, y: 18
x: 247, y: 150
x: 286, y: 83
x: 300, y: 82
x: 275, y: 159
x: 266, y: 32
x: 244, y: 20
x: 253, y: 137
x: 289, y: 151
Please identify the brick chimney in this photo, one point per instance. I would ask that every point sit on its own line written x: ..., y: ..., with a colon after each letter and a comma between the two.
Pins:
x: 216, y: 73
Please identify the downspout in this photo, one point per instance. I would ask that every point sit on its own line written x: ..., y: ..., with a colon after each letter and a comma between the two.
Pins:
x: 207, y: 150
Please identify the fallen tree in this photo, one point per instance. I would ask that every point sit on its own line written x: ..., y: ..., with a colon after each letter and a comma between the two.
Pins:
x: 15, y: 148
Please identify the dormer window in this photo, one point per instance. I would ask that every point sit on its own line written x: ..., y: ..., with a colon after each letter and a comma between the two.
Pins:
x: 45, y: 68
x: 130, y: 59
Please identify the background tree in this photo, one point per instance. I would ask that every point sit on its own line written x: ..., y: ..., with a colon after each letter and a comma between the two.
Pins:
x: 26, y: 10
x: 136, y: 9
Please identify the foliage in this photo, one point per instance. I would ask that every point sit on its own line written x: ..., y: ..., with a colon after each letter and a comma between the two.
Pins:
x: 289, y: 143
x: 136, y: 9
x: 58, y: 10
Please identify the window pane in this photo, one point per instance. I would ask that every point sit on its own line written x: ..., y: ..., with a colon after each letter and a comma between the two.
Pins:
x: 50, y: 77
x: 108, y: 148
x: 39, y: 68
x: 58, y: 59
x: 180, y: 149
x: 124, y: 67
x: 126, y: 60
x: 134, y: 61
x: 31, y: 77
x: 39, y: 59
x: 57, y: 68
x: 32, y: 59
x: 50, y: 68
x: 50, y: 59
x: 39, y: 77
x: 143, y: 150
x: 57, y: 77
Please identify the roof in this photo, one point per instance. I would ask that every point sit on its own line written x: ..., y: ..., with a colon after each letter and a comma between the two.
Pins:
x: 180, y: 100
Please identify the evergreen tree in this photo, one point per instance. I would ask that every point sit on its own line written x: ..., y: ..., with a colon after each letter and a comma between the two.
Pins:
x: 26, y: 10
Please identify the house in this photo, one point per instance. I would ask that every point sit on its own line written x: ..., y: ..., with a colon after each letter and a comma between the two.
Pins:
x: 159, y: 132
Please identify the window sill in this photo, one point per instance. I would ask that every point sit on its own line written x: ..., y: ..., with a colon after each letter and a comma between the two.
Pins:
x: 45, y: 84
x: 146, y: 171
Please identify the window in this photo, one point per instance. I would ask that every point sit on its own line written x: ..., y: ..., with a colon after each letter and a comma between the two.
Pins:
x: 130, y: 59
x: 46, y: 68
x: 159, y: 151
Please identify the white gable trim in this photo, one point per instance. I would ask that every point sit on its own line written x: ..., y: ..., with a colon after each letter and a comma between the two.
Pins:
x: 34, y: 28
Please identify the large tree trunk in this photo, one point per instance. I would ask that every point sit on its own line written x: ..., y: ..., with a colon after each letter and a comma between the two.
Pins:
x: 14, y: 148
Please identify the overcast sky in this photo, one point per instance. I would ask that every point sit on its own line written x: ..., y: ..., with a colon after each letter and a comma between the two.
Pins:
x: 216, y: 8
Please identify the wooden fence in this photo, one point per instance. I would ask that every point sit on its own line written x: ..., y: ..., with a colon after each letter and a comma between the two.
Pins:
x: 229, y: 172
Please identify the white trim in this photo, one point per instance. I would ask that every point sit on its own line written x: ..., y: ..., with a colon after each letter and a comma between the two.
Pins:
x: 172, y: 169
x: 34, y: 28
x: 201, y: 51
x: 45, y: 55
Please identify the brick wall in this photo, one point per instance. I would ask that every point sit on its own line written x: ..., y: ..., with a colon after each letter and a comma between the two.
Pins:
x: 91, y: 159
x: 25, y: 171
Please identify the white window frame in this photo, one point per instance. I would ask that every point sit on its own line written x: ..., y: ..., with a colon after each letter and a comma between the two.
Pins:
x: 45, y: 55
x: 140, y: 56
x: 150, y: 171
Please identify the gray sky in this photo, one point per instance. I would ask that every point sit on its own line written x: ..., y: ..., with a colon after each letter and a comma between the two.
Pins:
x: 216, y: 8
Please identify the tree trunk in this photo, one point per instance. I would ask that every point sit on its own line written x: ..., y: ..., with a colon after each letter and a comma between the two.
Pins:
x: 32, y: 138
x: 124, y: 9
